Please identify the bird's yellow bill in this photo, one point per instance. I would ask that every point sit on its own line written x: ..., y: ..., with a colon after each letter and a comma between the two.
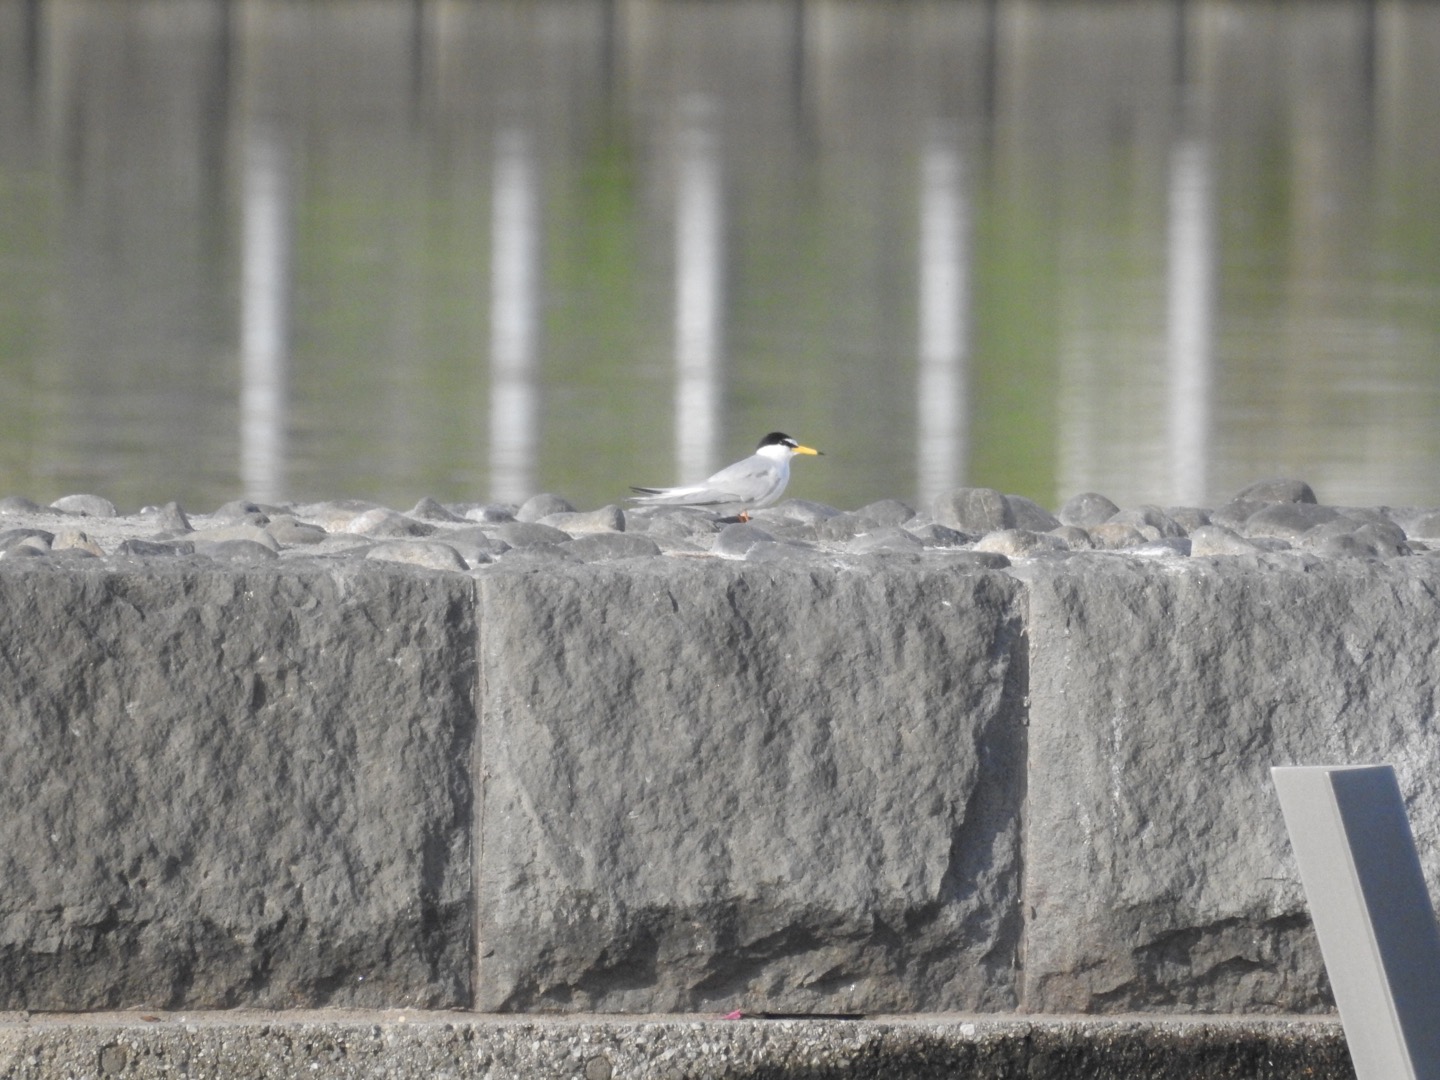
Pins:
x: 809, y: 450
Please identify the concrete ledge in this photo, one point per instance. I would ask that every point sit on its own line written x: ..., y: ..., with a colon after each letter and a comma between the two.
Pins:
x: 718, y: 786
x: 230, y: 787
x: 874, y: 784
x: 1158, y: 872
x: 397, y: 1046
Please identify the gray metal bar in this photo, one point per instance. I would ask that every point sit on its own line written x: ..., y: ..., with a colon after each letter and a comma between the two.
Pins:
x: 1372, y: 913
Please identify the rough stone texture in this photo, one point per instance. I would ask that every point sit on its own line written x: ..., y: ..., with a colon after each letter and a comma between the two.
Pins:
x: 233, y: 786
x: 401, y: 1046
x: 721, y: 785
x: 1158, y: 872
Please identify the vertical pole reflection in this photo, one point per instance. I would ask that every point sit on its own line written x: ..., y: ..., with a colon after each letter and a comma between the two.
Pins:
x: 514, y: 319
x: 265, y: 314
x: 1190, y: 320
x: 944, y: 317
x: 699, y: 294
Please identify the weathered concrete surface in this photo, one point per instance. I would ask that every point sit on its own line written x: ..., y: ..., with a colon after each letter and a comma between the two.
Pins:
x: 234, y: 786
x: 716, y: 786
x: 424, y: 1045
x: 1158, y: 873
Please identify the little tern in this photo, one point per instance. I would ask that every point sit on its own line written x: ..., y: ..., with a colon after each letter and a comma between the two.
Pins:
x: 758, y: 480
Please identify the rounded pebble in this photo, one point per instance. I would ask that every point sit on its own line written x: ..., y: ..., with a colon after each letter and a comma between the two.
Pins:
x: 427, y: 553
x: 520, y: 534
x: 169, y: 518
x: 387, y: 524
x: 735, y: 540
x: 606, y: 519
x: 1277, y: 490
x: 1086, y: 509
x: 977, y: 510
x: 886, y: 512
x: 1269, y: 519
x: 85, y: 506
x: 428, y: 509
x: 596, y: 547
x: 238, y: 551
x: 543, y: 505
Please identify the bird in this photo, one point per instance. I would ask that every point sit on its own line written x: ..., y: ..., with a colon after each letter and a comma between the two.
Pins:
x: 757, y: 481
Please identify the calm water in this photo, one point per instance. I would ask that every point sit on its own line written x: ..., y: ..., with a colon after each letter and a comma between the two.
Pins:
x: 380, y: 250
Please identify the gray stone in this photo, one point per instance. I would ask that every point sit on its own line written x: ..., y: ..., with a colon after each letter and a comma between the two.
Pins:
x: 609, y: 519
x: 232, y: 787
x: 1188, y: 518
x: 430, y: 509
x: 796, y: 531
x: 1288, y: 520
x: 238, y: 551
x: 34, y: 543
x: 85, y: 506
x: 842, y: 528
x: 671, y: 523
x: 802, y: 511
x: 539, y: 506
x: 147, y: 549
x: 1149, y: 517
x: 473, y: 539
x: 892, y: 538
x: 1235, y: 513
x: 1073, y: 537
x: 736, y: 539
x: 1086, y: 509
x: 1424, y: 526
x: 886, y: 512
x: 786, y: 551
x: 520, y: 534
x: 1218, y: 540
x: 536, y: 556
x: 335, y: 515
x: 18, y: 504
x: 430, y: 554
x: 169, y: 519
x: 485, y: 513
x: 75, y: 540
x: 11, y: 537
x: 1277, y: 491
x: 599, y: 546
x: 1158, y: 875
x: 1166, y: 547
x: 1343, y: 538
x: 1020, y: 543
x: 287, y: 531
x: 242, y: 510
x: 382, y: 524
x: 257, y: 534
x: 1108, y: 536
x: 714, y: 785
x: 1030, y: 515
x: 974, y: 510
x: 934, y: 535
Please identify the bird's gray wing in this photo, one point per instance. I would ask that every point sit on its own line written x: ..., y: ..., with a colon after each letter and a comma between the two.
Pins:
x: 743, y: 482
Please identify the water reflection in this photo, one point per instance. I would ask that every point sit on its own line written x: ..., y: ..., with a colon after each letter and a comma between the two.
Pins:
x: 699, y: 293
x: 1190, y: 321
x: 477, y: 250
x: 265, y: 316
x: 944, y: 317
x: 514, y: 319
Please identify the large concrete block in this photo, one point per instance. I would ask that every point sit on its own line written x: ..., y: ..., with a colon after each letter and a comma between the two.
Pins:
x: 1158, y: 873
x: 716, y: 785
x: 234, y: 787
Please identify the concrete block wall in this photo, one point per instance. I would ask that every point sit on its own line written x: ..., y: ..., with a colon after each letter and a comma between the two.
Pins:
x: 689, y: 784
